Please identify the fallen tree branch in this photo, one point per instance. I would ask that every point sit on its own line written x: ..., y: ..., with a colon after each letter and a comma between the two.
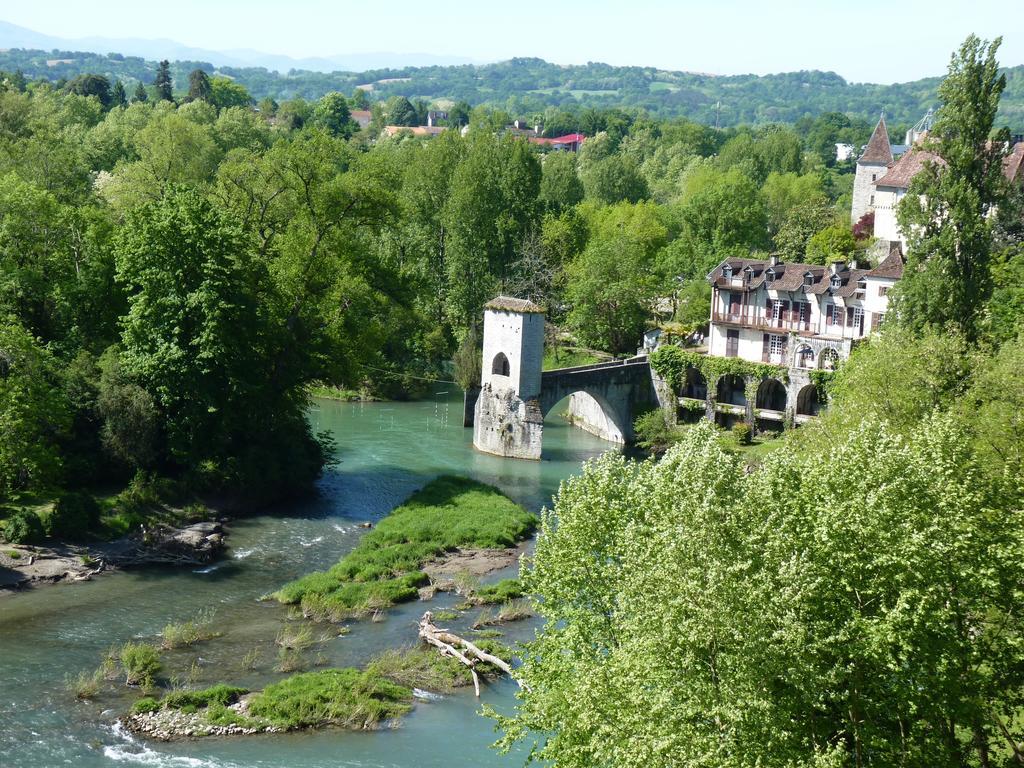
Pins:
x: 449, y: 644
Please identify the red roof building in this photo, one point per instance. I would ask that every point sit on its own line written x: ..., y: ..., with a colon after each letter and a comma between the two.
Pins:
x: 570, y: 142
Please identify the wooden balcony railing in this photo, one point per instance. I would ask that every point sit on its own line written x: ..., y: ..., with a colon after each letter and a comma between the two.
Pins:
x: 787, y: 322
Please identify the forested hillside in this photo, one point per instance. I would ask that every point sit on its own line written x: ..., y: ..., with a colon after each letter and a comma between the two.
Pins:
x: 531, y: 86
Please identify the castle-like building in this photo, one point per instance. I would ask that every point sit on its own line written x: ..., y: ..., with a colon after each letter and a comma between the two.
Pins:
x: 884, y: 173
x: 804, y: 317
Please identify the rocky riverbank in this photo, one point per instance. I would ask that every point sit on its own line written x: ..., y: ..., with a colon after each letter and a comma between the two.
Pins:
x: 29, y: 566
x: 173, y: 724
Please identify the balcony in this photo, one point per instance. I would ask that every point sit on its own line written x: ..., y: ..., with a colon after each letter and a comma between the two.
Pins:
x: 750, y: 320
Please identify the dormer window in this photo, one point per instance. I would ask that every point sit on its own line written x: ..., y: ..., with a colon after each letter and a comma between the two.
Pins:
x: 727, y: 271
x: 769, y: 276
x: 748, y: 273
x: 837, y: 282
x: 808, y: 279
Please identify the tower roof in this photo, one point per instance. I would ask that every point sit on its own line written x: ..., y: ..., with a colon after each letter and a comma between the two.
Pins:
x: 877, y: 150
x: 509, y: 304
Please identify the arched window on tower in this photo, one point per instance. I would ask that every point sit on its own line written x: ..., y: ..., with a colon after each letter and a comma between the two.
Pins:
x: 500, y: 365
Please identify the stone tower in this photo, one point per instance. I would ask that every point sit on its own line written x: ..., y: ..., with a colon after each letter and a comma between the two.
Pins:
x: 507, y: 419
x: 871, y: 166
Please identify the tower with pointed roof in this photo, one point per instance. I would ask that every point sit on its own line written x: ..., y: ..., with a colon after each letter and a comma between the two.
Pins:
x: 871, y: 165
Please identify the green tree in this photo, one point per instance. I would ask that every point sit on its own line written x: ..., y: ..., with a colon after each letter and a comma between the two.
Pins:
x: 611, y: 284
x: 946, y: 210
x: 783, y: 192
x: 34, y: 414
x: 118, y: 96
x: 332, y: 113
x: 400, y: 111
x: 800, y: 224
x: 225, y: 93
x: 163, y: 85
x: 359, y: 99
x: 614, y: 179
x: 92, y: 85
x: 196, y: 338
x: 835, y: 243
x: 796, y: 615
x: 493, y: 203
x: 140, y: 93
x: 723, y: 211
x: 560, y: 186
x: 199, y: 87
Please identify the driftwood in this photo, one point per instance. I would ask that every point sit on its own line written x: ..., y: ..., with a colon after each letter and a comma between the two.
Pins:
x: 449, y: 644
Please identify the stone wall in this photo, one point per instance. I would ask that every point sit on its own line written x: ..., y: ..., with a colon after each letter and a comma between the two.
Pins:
x: 505, y: 425
x: 864, y: 188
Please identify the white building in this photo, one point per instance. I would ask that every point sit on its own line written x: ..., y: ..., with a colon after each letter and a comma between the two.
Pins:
x: 797, y: 315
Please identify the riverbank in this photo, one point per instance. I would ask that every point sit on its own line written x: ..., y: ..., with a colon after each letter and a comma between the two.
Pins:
x: 385, y: 452
x: 25, y: 566
x: 449, y: 517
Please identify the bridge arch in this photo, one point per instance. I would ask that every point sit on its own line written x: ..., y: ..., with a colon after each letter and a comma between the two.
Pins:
x: 591, y: 412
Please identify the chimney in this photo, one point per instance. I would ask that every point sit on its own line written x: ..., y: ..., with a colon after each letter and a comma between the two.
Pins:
x: 773, y: 260
x: 853, y: 264
x: 836, y: 267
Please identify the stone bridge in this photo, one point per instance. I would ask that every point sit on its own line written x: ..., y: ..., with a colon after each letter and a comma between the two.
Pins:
x: 516, y: 394
x: 604, y: 398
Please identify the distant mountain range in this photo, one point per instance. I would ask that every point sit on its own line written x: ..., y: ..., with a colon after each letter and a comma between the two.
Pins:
x: 13, y: 36
x: 525, y: 87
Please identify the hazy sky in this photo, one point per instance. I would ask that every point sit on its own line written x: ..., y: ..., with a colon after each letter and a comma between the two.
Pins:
x: 911, y: 38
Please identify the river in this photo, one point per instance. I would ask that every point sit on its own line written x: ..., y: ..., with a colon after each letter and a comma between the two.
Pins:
x: 385, y: 451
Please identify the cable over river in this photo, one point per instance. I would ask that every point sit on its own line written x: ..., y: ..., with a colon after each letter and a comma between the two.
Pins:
x: 385, y: 452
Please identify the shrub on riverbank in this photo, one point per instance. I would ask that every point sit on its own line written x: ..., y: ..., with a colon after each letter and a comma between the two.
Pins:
x: 189, y: 632
x: 140, y: 663
x: 500, y: 592
x: 24, y: 527
x: 448, y: 513
x: 345, y: 697
x: 193, y: 701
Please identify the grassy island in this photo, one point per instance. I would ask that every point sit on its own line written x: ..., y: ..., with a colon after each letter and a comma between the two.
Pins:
x: 449, y: 513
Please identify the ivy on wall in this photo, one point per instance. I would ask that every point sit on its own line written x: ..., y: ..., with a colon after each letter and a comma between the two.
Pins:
x: 822, y: 381
x: 671, y: 363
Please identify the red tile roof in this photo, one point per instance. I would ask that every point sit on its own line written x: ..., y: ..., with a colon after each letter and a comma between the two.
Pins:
x: 877, y: 151
x: 892, y: 265
x: 907, y: 167
x: 1013, y: 163
x: 570, y: 138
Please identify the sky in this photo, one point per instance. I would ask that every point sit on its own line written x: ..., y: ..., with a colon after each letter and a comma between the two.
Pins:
x: 865, y: 41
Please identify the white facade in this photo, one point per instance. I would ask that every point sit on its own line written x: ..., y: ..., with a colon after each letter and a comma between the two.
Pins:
x: 814, y: 309
x: 886, y: 227
x: 519, y: 337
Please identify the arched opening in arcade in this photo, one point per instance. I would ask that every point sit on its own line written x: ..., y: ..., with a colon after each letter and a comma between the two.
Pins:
x: 732, y: 390
x: 808, y: 402
x: 804, y: 356
x: 771, y: 395
x: 695, y: 386
x: 828, y: 360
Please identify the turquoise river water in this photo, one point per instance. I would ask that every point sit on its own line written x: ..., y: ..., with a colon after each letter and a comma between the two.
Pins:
x: 386, y: 451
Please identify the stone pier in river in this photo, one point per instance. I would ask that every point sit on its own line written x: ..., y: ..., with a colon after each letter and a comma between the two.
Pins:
x: 516, y: 393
